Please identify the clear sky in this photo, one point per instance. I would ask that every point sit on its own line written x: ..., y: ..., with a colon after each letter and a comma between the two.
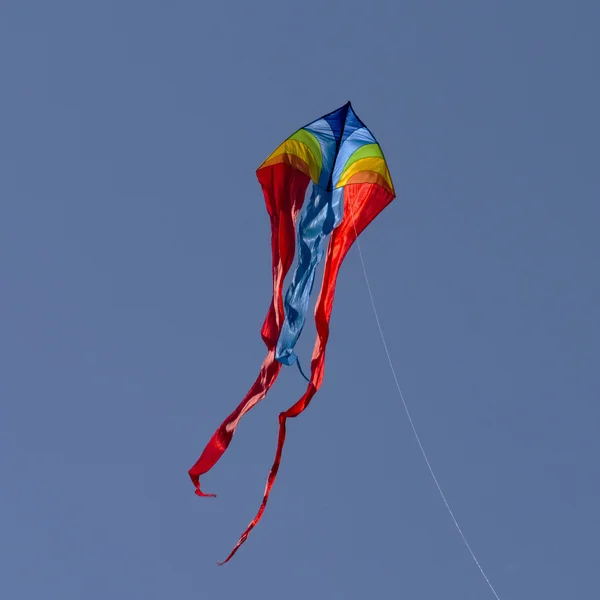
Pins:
x: 135, y: 276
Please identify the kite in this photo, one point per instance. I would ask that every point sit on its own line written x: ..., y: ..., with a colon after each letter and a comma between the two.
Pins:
x: 351, y: 185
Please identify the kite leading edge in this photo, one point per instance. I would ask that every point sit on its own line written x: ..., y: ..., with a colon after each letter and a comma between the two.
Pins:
x: 351, y: 185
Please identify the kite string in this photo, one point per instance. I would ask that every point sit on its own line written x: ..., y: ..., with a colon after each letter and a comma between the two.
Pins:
x: 412, y: 424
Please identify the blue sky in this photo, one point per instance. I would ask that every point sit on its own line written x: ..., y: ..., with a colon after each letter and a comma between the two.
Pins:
x: 135, y: 275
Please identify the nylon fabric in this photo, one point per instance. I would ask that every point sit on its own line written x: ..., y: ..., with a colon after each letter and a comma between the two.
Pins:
x: 363, y: 202
x: 284, y: 189
x: 317, y: 221
x: 351, y: 185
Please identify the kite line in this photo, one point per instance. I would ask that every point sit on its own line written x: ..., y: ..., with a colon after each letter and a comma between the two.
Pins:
x: 412, y: 424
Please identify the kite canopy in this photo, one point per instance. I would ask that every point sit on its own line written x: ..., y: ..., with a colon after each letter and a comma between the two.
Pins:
x: 334, y: 151
x: 351, y: 185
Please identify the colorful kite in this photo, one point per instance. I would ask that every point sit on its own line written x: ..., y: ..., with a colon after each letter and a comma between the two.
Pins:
x: 351, y: 185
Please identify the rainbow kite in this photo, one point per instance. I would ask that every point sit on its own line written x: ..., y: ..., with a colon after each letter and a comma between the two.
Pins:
x: 351, y: 185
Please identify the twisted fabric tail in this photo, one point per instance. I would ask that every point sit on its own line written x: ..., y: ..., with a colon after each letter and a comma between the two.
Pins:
x: 362, y: 203
x: 284, y: 189
x: 222, y: 437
